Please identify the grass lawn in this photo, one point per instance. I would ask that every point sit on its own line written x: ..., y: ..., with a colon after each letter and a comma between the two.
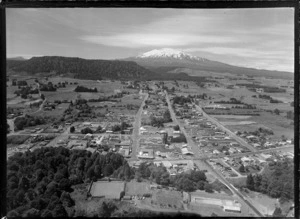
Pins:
x: 237, y: 181
x: 137, y: 188
x: 263, y: 203
x: 167, y: 198
x: 107, y: 189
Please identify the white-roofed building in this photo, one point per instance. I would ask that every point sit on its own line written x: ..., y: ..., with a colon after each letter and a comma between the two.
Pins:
x: 231, y: 206
x: 167, y: 164
x: 265, y: 156
x: 88, y: 136
x: 185, y: 151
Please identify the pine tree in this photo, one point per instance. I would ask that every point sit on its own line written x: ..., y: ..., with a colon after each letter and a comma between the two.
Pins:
x: 250, y: 182
x: 277, y: 212
x: 257, y: 182
x: 242, y: 168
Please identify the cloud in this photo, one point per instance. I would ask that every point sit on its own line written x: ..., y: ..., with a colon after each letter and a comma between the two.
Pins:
x: 279, y: 60
x: 137, y: 40
x: 243, y: 52
x: 249, y: 37
x: 26, y: 56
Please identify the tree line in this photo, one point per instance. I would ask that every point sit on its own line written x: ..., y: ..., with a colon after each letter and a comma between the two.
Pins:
x: 81, y: 68
x: 277, y: 181
x: 27, y: 121
x: 39, y: 182
x: 85, y: 89
x: 23, y: 92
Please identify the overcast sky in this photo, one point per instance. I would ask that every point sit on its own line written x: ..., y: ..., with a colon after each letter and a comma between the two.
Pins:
x: 258, y: 38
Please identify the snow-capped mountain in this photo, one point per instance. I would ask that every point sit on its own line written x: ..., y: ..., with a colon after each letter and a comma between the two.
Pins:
x: 169, y: 60
x: 168, y: 57
x: 169, y: 53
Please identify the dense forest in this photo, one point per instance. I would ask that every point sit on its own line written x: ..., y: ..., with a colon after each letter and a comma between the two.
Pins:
x: 82, y: 68
x: 39, y: 182
x: 277, y: 180
x: 94, y: 69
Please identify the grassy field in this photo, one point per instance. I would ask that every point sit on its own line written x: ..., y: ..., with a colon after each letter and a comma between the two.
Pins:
x: 235, y: 117
x: 168, y: 199
x: 60, y: 95
x: 137, y: 188
x: 279, y: 125
x: 107, y: 189
x: 83, y: 206
x: 237, y: 181
x: 263, y: 203
x: 68, y: 93
x: 238, y: 122
x: 57, y: 112
x: 131, y: 99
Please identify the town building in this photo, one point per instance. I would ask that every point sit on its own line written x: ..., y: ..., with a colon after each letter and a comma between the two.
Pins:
x: 146, y: 153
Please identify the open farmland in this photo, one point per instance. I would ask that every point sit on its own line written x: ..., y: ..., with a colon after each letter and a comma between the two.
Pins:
x: 279, y: 125
x: 234, y: 117
x: 238, y: 123
x: 54, y: 113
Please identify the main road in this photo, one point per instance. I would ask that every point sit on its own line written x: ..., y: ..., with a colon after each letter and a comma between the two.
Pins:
x: 230, y: 133
x: 136, y: 128
x: 200, y: 162
x: 189, y: 140
x: 234, y: 190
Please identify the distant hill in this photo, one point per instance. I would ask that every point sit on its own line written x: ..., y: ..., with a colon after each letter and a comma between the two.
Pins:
x: 18, y: 58
x: 93, y: 69
x: 12, y: 62
x: 81, y: 68
x: 170, y: 59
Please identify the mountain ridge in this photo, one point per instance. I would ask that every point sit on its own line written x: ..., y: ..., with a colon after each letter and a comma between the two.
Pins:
x: 174, y: 58
x: 94, y: 69
x: 155, y: 64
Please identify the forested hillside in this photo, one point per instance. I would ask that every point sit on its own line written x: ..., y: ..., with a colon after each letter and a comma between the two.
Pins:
x: 39, y: 182
x: 81, y: 68
x: 94, y: 69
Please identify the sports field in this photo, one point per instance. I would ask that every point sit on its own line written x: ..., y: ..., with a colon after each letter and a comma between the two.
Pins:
x: 107, y: 189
